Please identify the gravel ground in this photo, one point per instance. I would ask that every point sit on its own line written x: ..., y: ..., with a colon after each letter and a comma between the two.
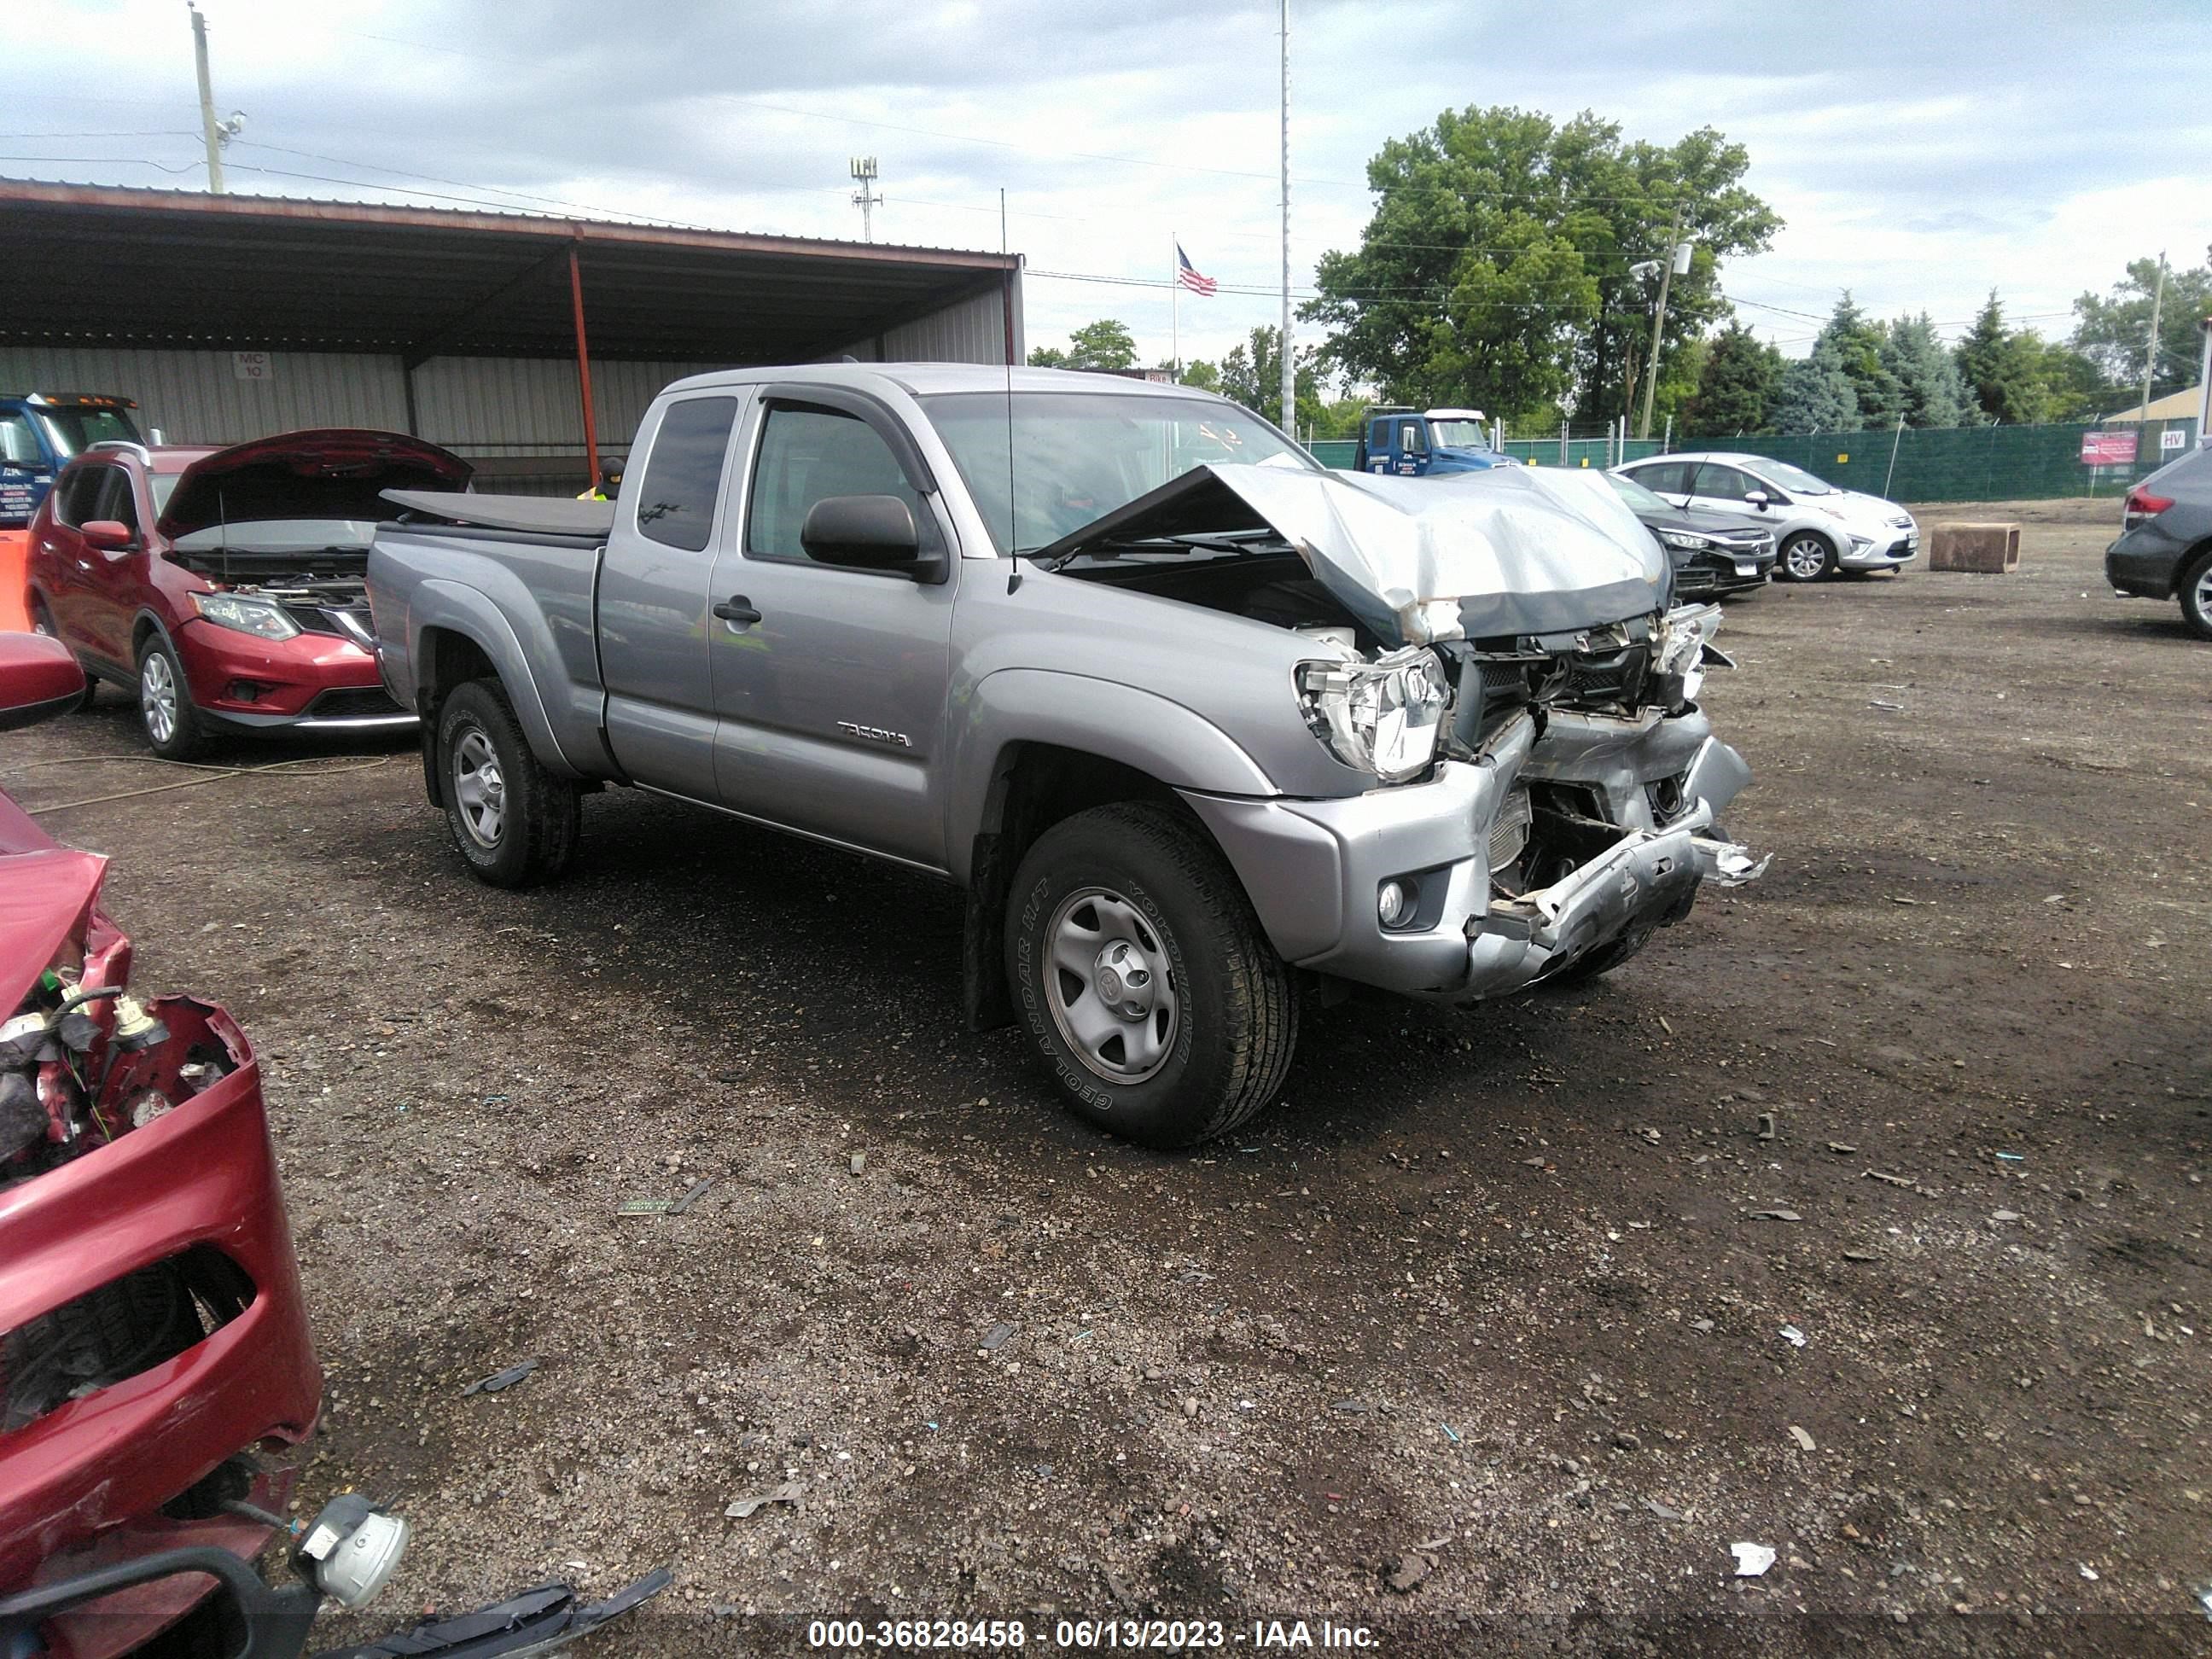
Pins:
x: 1476, y: 1340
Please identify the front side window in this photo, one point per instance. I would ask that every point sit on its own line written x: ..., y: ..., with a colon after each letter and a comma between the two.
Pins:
x: 808, y: 455
x: 19, y: 445
x: 1412, y: 439
x: 1722, y: 483
x: 77, y: 496
x: 682, y: 481
x: 1666, y: 477
x: 117, y: 499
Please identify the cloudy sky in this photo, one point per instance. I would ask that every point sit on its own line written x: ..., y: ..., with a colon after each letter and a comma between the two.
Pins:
x: 1921, y: 154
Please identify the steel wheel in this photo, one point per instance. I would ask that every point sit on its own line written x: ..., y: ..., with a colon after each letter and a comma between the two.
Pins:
x: 1109, y: 988
x: 1805, y: 557
x: 479, y: 787
x: 157, y: 697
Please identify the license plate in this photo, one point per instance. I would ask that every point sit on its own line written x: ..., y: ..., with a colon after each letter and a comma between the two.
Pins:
x: 1744, y: 569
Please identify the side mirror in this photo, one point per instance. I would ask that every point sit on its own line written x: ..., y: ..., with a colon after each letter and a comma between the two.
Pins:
x: 109, y: 535
x: 868, y: 532
x: 39, y: 678
x: 1757, y: 498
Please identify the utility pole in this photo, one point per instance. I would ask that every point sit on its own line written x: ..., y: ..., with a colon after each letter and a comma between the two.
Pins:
x: 1659, y: 317
x: 209, y: 130
x: 2150, y: 346
x: 2205, y: 386
x: 1290, y: 364
x: 865, y: 199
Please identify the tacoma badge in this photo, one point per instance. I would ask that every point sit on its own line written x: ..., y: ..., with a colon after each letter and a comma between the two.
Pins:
x: 876, y: 735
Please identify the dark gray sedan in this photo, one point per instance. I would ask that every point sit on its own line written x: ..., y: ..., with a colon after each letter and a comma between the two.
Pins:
x: 2164, y: 549
x: 1712, y: 556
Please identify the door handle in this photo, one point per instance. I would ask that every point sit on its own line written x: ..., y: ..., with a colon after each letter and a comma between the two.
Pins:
x: 737, y: 610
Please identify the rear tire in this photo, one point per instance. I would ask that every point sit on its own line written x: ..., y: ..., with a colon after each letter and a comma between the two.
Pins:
x: 514, y: 822
x: 173, y: 728
x: 2195, y: 592
x: 1143, y: 979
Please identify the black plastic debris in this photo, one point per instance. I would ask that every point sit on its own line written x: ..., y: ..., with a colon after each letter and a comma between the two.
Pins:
x: 505, y: 1379
x: 539, y: 1620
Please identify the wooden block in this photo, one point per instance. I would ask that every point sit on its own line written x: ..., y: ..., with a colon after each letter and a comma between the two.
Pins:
x: 1987, y: 550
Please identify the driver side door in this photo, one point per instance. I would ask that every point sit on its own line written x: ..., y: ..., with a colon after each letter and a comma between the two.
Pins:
x: 1722, y: 490
x: 830, y: 683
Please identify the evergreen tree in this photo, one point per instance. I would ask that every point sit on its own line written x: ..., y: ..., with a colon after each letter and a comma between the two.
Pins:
x: 2002, y: 382
x: 1737, y: 389
x: 1934, y: 395
x: 1858, y: 341
x: 1816, y: 394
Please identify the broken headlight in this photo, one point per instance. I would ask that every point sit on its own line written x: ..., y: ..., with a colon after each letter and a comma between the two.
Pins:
x: 263, y: 618
x: 1683, y: 637
x: 1685, y: 540
x: 1382, y: 716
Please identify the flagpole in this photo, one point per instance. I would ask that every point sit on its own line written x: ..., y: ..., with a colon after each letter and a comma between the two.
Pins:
x: 1175, y: 303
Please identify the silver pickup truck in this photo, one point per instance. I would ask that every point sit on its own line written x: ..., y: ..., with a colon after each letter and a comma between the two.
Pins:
x: 1198, y: 726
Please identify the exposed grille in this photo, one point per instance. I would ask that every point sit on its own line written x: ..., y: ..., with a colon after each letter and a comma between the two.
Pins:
x: 360, y: 703
x: 347, y: 622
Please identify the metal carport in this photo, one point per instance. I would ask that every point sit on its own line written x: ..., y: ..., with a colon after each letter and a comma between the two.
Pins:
x: 461, y: 326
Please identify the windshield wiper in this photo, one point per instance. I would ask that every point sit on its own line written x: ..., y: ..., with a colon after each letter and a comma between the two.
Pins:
x: 1210, y: 541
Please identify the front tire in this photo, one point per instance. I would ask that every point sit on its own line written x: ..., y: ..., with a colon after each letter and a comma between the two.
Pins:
x: 2195, y: 592
x: 173, y: 728
x: 1806, y: 556
x: 514, y: 822
x: 1143, y: 979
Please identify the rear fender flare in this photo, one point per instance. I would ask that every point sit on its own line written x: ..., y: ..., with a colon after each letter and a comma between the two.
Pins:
x: 464, y: 611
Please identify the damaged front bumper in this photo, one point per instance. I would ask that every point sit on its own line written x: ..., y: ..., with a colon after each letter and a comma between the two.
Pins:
x: 1508, y: 868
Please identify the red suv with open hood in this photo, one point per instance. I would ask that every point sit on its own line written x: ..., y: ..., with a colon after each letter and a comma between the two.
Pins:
x: 226, y: 585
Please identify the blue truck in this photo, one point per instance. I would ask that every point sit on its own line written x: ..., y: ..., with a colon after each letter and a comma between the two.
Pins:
x: 1412, y: 443
x: 41, y: 431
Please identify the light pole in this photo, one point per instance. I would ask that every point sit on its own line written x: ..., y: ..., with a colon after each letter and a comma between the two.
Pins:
x: 210, y: 130
x: 2205, y: 386
x: 1289, y: 366
x: 865, y: 199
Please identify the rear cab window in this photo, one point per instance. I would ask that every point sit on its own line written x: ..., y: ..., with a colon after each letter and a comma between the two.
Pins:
x: 682, y: 484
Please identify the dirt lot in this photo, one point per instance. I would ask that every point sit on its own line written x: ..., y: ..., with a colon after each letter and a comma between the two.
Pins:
x: 1486, y: 1303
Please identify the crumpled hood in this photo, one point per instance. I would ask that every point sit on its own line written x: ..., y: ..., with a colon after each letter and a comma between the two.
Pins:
x: 46, y: 900
x: 334, y: 473
x: 1509, y: 551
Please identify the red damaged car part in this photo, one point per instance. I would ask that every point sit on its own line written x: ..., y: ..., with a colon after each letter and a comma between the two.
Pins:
x: 155, y: 1359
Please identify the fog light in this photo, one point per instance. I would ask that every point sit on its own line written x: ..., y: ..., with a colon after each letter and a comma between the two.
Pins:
x: 1394, y: 902
x: 353, y: 1549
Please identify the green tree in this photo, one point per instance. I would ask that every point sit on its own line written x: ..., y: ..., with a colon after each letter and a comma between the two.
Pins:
x: 1252, y: 375
x: 1106, y: 343
x: 1737, y: 389
x: 2074, y: 388
x: 1858, y: 341
x: 2003, y: 378
x: 1816, y: 394
x: 1496, y: 267
x: 2113, y: 331
x: 1203, y: 375
x: 1925, y: 373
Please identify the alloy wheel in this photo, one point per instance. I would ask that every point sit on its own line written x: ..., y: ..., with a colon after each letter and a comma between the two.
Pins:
x: 2203, y: 591
x: 1110, y: 986
x: 480, y: 787
x: 157, y: 696
x: 1807, y: 558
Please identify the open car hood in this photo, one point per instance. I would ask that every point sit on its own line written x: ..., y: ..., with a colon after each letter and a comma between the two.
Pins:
x: 335, y: 473
x: 1509, y: 551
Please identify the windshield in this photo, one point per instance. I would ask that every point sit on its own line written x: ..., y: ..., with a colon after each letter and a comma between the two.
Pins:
x: 1639, y: 499
x: 1459, y: 434
x: 71, y: 430
x: 1794, y: 478
x: 281, y: 536
x: 1076, y: 456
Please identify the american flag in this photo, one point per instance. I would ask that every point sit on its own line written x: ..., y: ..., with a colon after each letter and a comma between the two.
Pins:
x: 1189, y: 275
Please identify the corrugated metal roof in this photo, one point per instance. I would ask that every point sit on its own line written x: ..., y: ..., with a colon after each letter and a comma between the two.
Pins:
x: 97, y: 264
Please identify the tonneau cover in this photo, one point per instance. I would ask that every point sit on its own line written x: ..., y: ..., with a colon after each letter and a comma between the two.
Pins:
x: 540, y: 515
